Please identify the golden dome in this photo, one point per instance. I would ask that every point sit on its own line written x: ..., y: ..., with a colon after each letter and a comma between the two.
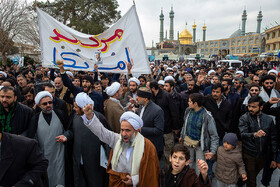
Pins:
x: 185, y: 37
x: 204, y: 27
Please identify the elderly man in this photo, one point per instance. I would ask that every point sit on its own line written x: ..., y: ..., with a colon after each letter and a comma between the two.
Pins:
x: 50, y: 126
x: 153, y: 119
x: 133, y: 159
x: 113, y: 108
x: 87, y: 147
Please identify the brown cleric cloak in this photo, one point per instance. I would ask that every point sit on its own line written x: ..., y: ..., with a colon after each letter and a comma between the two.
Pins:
x: 148, y: 171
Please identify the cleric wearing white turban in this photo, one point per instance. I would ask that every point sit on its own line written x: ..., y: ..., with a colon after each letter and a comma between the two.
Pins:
x: 3, y: 73
x: 240, y: 72
x: 42, y: 95
x: 135, y: 121
x: 210, y: 72
x: 82, y: 99
x: 134, y: 79
x: 169, y: 78
x: 69, y: 73
x: 273, y: 71
x: 113, y: 89
x: 132, y: 155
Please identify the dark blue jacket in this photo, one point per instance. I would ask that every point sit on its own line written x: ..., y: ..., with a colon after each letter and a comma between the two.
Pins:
x: 95, y: 96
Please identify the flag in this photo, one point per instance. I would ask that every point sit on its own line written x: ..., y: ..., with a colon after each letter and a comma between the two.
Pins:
x: 111, y: 50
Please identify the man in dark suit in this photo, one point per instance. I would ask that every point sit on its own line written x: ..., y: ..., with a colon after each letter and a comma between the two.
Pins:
x: 21, y: 161
x: 153, y: 119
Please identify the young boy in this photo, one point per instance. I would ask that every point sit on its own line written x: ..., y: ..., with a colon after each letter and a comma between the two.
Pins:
x: 229, y: 162
x: 180, y: 174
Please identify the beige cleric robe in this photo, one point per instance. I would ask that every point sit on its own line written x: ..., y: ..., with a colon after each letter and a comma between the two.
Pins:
x: 113, y: 112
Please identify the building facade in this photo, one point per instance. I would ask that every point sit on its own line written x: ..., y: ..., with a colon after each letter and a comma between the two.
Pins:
x: 250, y: 44
x: 272, y: 36
x: 239, y: 43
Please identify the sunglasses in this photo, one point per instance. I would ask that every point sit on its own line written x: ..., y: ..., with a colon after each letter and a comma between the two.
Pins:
x: 268, y: 83
x: 256, y: 90
x: 46, y: 103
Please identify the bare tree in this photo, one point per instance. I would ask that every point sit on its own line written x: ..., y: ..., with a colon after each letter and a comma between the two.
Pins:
x: 15, y: 24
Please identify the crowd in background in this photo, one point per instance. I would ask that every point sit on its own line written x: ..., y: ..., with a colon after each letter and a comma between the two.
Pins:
x: 227, y: 115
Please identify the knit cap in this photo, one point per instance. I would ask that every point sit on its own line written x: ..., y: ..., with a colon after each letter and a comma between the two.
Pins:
x: 231, y: 139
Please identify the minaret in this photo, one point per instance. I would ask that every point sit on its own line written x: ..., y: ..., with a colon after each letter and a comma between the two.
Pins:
x: 178, y: 35
x: 204, y: 32
x: 259, y: 20
x: 244, y: 18
x: 194, y: 31
x: 161, y: 18
x: 166, y: 35
x: 171, y: 31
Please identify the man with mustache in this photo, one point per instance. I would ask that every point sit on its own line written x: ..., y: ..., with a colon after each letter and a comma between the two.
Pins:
x: 87, y: 87
x: 133, y: 159
x: 50, y: 128
x: 268, y: 90
x: 14, y: 116
x: 29, y: 97
x: 259, y: 138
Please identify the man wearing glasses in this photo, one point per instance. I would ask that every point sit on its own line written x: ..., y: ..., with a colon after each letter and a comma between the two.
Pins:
x: 49, y: 126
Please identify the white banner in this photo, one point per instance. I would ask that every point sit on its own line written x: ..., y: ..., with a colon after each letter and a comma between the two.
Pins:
x: 111, y: 50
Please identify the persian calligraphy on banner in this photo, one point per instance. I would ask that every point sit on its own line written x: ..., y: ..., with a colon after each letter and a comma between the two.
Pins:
x: 111, y: 50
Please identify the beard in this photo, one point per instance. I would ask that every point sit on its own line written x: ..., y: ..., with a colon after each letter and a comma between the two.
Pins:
x: 129, y: 143
x: 254, y: 113
x: 29, y: 101
x: 48, y: 110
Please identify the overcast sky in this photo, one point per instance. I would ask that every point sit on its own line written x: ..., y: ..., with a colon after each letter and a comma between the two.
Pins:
x: 221, y: 17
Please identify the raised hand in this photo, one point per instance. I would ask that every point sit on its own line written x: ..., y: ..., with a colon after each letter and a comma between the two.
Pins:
x: 88, y: 111
x: 60, y: 64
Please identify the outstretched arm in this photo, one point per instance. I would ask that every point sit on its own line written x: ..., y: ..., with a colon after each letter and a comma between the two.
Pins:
x: 95, y: 126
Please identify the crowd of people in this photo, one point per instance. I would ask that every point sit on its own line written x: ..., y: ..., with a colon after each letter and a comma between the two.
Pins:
x: 184, y: 124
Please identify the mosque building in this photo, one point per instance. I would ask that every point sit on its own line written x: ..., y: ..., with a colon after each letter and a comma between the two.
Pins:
x: 169, y: 47
x: 240, y: 43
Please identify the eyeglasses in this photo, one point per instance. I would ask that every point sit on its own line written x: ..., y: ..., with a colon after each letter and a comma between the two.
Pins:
x: 268, y: 83
x: 46, y: 103
x: 257, y: 80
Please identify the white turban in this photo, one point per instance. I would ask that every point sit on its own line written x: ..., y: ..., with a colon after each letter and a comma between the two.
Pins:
x: 272, y: 71
x: 211, y: 71
x: 161, y: 82
x: 49, y: 72
x: 169, y: 69
x: 169, y: 78
x: 134, y: 79
x: 69, y: 73
x: 82, y: 99
x: 41, y: 95
x: 3, y: 73
x: 135, y: 121
x: 111, y: 90
x: 197, y: 71
x: 165, y: 65
x: 240, y: 72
